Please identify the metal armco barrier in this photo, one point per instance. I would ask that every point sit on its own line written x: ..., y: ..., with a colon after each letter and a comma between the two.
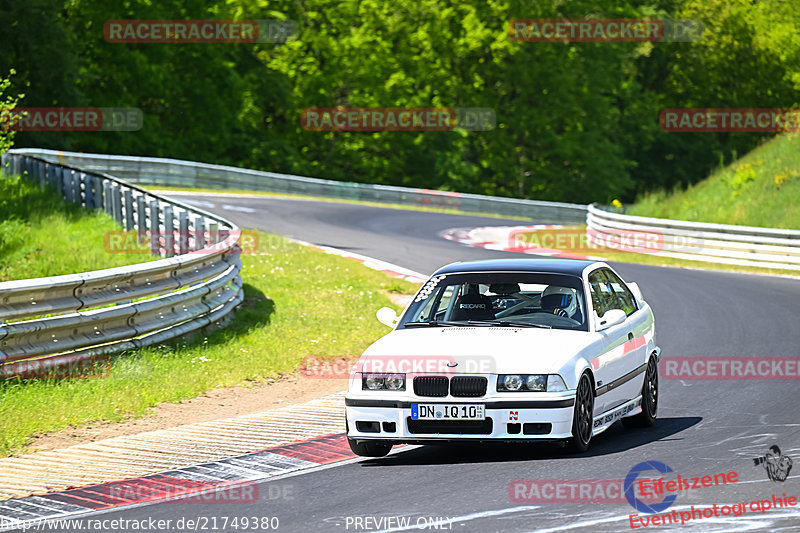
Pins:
x: 172, y: 172
x: 696, y: 241
x: 67, y: 319
x: 70, y: 318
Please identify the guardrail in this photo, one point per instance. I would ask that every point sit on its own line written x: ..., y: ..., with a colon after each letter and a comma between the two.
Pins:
x: 696, y: 241
x: 63, y: 320
x: 173, y: 172
x: 198, y: 281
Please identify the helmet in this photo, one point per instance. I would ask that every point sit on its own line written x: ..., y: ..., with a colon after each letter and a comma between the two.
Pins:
x: 555, y: 297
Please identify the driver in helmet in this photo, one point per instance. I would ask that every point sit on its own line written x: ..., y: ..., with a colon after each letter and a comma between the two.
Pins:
x: 560, y: 301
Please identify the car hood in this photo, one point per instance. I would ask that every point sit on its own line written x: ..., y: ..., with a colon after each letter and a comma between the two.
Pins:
x: 479, y: 350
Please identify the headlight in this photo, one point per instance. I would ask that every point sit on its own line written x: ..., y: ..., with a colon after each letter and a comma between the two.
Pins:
x: 383, y: 382
x: 530, y: 383
x: 512, y: 382
x: 396, y: 382
x: 536, y: 382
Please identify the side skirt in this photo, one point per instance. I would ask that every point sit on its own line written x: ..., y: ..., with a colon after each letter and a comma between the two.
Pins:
x: 604, y: 420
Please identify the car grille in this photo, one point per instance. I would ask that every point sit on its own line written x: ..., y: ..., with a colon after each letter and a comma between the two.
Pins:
x: 468, y: 386
x: 430, y: 386
x: 450, y: 427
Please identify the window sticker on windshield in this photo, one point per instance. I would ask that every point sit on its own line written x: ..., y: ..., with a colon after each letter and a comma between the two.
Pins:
x: 427, y: 290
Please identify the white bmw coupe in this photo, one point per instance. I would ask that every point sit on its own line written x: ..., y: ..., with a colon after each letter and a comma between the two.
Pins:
x: 513, y: 350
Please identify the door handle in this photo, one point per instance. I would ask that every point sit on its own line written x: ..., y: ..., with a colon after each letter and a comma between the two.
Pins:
x: 630, y: 336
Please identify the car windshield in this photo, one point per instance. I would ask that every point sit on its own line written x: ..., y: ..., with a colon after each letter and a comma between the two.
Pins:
x: 523, y: 299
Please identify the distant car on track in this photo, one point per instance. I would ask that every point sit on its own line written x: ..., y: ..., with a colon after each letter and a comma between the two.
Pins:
x: 508, y: 350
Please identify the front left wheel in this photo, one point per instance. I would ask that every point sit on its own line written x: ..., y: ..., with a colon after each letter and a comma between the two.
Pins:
x: 583, y: 416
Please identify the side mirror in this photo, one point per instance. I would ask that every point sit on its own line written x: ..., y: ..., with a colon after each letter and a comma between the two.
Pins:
x: 388, y: 317
x: 611, y: 318
x: 637, y: 292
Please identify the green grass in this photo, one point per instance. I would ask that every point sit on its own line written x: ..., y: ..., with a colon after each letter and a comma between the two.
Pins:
x: 41, y: 235
x: 299, y: 302
x: 760, y: 189
x: 431, y: 209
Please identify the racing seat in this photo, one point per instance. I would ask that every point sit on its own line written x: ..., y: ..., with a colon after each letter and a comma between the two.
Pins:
x: 473, y: 306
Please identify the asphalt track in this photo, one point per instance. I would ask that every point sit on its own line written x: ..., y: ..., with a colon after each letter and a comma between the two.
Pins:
x: 704, y: 427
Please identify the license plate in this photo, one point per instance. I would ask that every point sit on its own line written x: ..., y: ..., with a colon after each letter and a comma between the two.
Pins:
x: 442, y: 411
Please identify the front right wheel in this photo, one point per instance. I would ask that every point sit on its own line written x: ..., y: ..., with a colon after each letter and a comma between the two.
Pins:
x: 583, y: 416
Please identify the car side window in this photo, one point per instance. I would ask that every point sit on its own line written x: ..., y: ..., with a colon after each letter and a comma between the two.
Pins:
x: 601, y: 289
x: 597, y: 303
x: 624, y: 295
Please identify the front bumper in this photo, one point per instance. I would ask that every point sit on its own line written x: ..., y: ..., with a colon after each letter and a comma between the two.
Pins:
x: 506, y: 420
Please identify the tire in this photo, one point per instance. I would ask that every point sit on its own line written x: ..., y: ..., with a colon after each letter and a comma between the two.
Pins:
x: 374, y: 448
x: 647, y: 417
x: 582, y: 416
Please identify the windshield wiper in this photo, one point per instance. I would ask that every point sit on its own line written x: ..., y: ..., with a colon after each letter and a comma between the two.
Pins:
x: 506, y: 323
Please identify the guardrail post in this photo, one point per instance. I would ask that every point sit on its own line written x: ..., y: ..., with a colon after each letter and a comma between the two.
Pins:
x: 128, y: 210
x: 141, y: 218
x: 88, y: 193
x: 116, y: 203
x: 169, y: 231
x: 183, y: 233
x: 199, y: 233
x: 76, y: 188
x: 52, y: 174
x: 107, y: 196
x: 59, y: 181
x: 213, y: 233
x: 155, y: 228
x: 97, y: 185
x: 69, y: 184
x: 42, y: 170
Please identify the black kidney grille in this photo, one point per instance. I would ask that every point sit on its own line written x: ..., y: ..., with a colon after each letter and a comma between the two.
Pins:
x: 430, y: 386
x: 468, y: 386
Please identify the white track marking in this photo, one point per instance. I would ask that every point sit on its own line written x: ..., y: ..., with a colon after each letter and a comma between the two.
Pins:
x: 240, y: 208
x: 463, y: 518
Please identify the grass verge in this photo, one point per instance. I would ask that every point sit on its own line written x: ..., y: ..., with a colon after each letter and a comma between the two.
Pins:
x: 41, y: 235
x: 299, y: 302
x: 760, y: 189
